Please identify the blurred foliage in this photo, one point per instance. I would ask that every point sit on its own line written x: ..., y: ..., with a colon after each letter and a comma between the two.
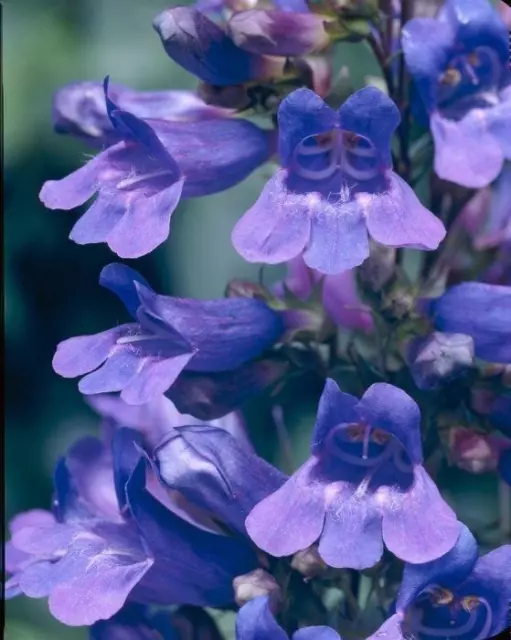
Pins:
x: 51, y: 289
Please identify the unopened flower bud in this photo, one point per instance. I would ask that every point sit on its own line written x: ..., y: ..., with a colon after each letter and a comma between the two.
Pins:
x: 278, y: 33
x: 309, y: 563
x: 203, y: 48
x: 472, y: 451
x: 440, y: 358
x: 257, y: 583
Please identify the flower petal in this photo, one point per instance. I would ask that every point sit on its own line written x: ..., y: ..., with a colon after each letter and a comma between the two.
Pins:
x: 335, y: 407
x: 396, y: 218
x: 210, y: 468
x: 406, y: 532
x: 352, y: 537
x: 338, y: 239
x: 386, y: 407
x: 121, y: 279
x: 450, y: 570
x: 277, y: 227
x: 74, y: 189
x: 466, y: 152
x: 82, y: 354
x: 146, y: 223
x: 292, y: 518
x: 255, y: 621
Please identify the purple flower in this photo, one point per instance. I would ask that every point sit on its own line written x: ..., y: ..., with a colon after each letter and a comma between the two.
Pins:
x: 255, y: 621
x: 363, y: 485
x: 482, y: 311
x: 279, y: 33
x: 460, y: 64
x: 134, y: 622
x: 203, y: 48
x: 458, y: 596
x: 144, y: 358
x: 158, y: 418
x: 140, y: 180
x: 79, y: 109
x: 110, y: 538
x: 339, y: 294
x: 336, y: 185
x: 213, y: 471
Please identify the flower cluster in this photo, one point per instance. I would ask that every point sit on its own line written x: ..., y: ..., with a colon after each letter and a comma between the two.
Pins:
x: 399, y: 305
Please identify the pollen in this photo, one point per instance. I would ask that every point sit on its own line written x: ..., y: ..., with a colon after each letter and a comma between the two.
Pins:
x: 441, y: 597
x: 451, y: 77
x: 469, y: 603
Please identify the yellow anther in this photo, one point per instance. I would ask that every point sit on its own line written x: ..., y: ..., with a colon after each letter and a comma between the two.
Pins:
x: 441, y: 596
x: 469, y: 603
x: 451, y: 77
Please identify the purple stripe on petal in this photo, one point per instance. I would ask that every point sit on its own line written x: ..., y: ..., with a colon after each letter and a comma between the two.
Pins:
x: 277, y: 227
x: 292, y: 518
x: 82, y: 354
x: 396, y: 218
x: 466, y: 152
x: 352, y: 535
x: 407, y: 533
x: 338, y: 239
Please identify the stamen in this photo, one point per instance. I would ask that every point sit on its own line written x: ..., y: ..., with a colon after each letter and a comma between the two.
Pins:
x: 130, y: 182
x: 138, y: 338
x: 367, y: 437
x: 465, y: 628
x: 451, y: 77
x: 474, y: 79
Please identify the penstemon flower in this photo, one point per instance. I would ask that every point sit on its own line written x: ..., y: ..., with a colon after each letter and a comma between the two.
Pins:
x: 460, y: 63
x: 336, y: 187
x: 196, y: 513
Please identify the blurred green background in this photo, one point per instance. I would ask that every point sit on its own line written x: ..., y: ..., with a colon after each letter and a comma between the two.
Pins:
x: 51, y: 289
